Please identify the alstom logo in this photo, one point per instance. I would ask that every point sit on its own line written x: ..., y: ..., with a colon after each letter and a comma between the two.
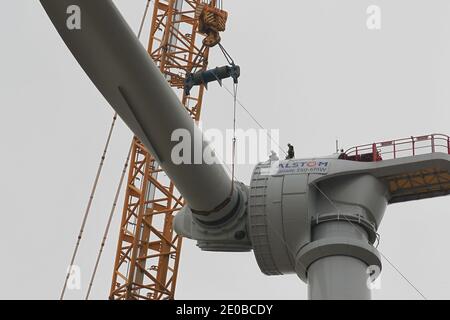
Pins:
x: 302, y: 166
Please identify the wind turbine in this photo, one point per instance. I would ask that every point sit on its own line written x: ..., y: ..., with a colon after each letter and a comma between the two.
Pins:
x: 317, y: 217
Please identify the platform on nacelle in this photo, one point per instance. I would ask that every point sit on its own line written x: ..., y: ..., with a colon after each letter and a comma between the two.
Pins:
x: 412, y: 168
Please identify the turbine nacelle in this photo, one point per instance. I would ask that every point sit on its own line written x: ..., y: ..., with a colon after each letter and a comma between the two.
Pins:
x: 299, y: 212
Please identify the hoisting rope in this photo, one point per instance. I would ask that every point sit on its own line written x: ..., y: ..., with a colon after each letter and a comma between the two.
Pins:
x: 226, y: 55
x: 143, y: 18
x: 111, y: 214
x: 94, y: 188
x: 233, y: 161
x: 235, y: 92
x: 89, y: 204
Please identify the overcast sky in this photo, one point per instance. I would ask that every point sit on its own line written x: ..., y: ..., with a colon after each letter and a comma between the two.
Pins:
x: 310, y: 68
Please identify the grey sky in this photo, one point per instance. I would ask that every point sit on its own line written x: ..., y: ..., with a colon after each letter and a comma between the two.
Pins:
x: 312, y: 70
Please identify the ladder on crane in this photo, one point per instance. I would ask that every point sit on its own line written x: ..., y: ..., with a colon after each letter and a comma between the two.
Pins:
x: 148, y: 250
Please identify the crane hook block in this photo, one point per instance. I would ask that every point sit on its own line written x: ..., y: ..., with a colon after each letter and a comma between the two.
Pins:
x: 216, y: 74
x: 211, y: 21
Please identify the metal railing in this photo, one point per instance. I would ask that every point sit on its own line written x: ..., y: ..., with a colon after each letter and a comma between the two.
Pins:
x: 400, y: 148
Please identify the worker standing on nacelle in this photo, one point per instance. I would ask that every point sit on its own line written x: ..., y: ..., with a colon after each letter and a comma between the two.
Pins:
x: 291, y: 153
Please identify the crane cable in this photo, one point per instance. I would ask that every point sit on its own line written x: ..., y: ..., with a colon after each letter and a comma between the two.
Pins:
x: 88, y: 207
x: 141, y: 26
x: 111, y: 213
x: 226, y: 55
x: 234, y: 94
x: 233, y: 160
